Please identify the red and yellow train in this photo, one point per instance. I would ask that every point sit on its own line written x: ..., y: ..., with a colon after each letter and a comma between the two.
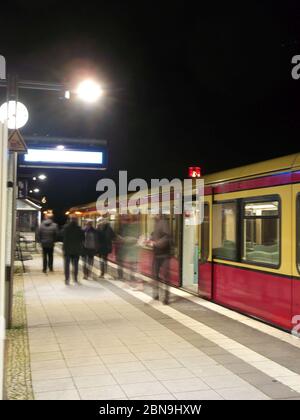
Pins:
x: 246, y: 253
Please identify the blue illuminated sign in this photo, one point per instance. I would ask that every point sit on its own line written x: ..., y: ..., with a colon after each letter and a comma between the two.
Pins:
x: 64, y: 158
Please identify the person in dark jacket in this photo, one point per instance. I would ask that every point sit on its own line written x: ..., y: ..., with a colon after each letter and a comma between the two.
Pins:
x: 90, y: 248
x: 161, y: 243
x: 46, y: 236
x: 106, y: 235
x: 73, y: 237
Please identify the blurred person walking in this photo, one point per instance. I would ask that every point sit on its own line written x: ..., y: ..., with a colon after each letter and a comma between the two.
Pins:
x: 161, y: 243
x: 128, y: 251
x: 106, y: 235
x: 47, y: 235
x: 73, y: 237
x: 90, y: 247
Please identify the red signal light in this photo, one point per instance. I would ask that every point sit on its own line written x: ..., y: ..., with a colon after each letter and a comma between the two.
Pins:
x: 194, y: 172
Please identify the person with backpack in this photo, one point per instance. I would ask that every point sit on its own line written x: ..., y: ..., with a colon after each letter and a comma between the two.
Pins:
x: 47, y: 236
x: 90, y: 247
x: 106, y: 235
x: 73, y: 237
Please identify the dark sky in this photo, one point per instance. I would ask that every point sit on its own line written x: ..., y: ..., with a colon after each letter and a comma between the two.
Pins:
x: 185, y: 85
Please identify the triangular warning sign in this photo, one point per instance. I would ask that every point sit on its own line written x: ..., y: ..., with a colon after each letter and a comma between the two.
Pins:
x: 16, y: 142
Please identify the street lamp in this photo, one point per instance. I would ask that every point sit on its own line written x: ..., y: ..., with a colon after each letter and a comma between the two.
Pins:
x: 15, y: 115
x: 89, y: 91
x: 42, y: 177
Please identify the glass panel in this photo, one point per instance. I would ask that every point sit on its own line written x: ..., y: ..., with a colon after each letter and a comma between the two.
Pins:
x: 175, y: 234
x: 262, y: 235
x: 190, y: 251
x: 150, y: 221
x: 268, y: 208
x: 204, y: 229
x: 224, y: 237
x: 298, y: 232
x: 27, y: 220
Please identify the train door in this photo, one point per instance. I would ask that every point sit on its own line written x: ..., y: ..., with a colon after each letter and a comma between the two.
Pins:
x: 190, y: 250
x: 295, y: 247
x: 205, y: 260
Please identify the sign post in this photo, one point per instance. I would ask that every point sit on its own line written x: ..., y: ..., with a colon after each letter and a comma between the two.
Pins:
x: 16, y: 145
x: 16, y: 142
x: 3, y: 210
x: 3, y: 194
x: 2, y: 67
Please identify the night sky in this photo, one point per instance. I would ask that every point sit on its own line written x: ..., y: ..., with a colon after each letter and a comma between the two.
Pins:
x: 185, y: 85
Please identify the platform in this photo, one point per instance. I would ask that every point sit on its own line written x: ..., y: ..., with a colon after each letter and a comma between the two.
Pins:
x: 103, y: 340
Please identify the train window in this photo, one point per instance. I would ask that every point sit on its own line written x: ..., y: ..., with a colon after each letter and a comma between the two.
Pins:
x: 204, y: 234
x: 261, y: 232
x: 175, y: 233
x: 224, y: 238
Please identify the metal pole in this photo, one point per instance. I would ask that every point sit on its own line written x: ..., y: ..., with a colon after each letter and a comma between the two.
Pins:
x: 11, y: 214
x: 3, y: 210
x: 10, y: 234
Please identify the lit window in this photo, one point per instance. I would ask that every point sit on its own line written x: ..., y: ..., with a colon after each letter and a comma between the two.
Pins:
x: 261, y: 233
x: 224, y: 237
x: 204, y: 235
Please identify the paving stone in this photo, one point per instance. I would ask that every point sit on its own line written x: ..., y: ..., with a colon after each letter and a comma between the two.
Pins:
x: 126, y: 348
x: 18, y: 384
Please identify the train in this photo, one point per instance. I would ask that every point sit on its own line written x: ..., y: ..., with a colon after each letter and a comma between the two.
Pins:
x: 245, y: 255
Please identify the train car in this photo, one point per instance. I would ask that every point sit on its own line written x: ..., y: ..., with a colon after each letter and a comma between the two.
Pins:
x: 246, y: 253
x: 146, y: 226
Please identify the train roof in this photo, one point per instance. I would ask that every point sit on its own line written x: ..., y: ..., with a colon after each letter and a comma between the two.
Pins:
x: 254, y: 170
x: 268, y: 167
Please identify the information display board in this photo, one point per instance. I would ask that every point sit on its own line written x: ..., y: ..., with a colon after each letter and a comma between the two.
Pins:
x: 66, y: 155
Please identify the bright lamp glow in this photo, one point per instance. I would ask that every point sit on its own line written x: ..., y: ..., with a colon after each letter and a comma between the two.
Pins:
x: 36, y: 190
x: 89, y: 91
x: 42, y: 177
x: 63, y: 156
x: 15, y: 113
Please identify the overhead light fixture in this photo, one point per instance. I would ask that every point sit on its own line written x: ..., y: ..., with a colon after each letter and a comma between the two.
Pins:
x: 89, y: 91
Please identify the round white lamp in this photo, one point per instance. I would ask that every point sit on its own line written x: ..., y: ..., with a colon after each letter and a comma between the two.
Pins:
x: 15, y: 113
